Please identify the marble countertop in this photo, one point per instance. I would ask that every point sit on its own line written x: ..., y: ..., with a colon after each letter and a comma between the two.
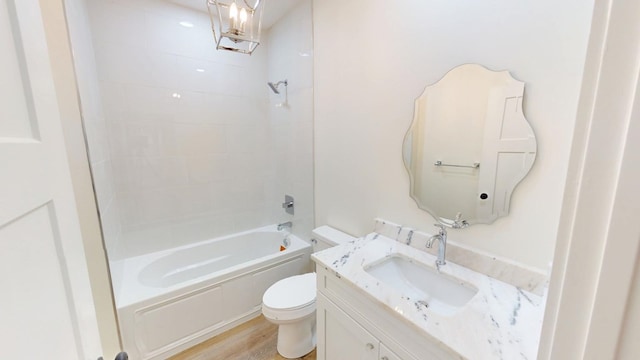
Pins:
x: 500, y: 322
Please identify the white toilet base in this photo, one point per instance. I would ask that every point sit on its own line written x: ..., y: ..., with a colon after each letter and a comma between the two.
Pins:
x: 296, y: 339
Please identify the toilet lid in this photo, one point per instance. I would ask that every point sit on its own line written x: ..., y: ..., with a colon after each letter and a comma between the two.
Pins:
x: 291, y: 293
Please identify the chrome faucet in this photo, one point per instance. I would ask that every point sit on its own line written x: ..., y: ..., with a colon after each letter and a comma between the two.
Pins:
x: 287, y: 224
x: 459, y: 222
x: 441, y: 236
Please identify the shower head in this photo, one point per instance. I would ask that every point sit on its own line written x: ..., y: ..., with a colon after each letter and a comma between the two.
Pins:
x: 275, y: 86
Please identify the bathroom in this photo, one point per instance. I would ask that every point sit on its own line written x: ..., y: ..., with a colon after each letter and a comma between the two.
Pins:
x: 187, y: 143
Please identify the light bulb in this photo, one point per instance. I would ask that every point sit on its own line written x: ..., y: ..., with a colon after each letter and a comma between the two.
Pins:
x: 233, y: 16
x: 233, y: 11
x: 243, y: 18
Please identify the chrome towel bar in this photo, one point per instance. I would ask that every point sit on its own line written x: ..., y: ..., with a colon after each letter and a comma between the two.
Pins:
x: 474, y: 166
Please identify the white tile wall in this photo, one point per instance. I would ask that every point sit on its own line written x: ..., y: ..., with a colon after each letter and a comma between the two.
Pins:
x: 198, y: 148
x: 95, y: 129
x: 289, y: 57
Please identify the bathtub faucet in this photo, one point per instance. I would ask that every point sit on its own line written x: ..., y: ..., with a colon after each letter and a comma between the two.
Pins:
x: 287, y: 224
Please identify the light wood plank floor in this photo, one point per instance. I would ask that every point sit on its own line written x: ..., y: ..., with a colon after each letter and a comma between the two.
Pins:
x: 253, y: 340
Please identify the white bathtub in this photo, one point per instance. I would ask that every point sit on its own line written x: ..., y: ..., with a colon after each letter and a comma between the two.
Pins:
x: 171, y: 300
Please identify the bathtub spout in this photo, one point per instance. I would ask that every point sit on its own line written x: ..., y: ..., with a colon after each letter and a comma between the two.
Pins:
x: 287, y: 224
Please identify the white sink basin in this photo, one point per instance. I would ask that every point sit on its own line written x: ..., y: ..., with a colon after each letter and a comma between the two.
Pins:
x: 439, y: 293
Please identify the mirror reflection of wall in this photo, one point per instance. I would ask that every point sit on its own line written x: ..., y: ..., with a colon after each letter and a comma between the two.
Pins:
x: 469, y: 145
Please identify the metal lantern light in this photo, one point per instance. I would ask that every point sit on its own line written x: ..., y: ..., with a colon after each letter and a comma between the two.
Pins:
x: 236, y: 24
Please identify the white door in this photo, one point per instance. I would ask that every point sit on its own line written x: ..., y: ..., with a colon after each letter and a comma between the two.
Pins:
x: 508, y: 151
x: 46, y: 308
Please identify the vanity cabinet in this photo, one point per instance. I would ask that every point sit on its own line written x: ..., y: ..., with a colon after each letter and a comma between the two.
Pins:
x: 342, y: 337
x: 352, y: 326
x: 386, y: 354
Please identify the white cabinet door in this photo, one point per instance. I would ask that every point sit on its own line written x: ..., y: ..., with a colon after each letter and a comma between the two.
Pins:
x: 386, y: 354
x: 340, y: 337
x: 46, y: 306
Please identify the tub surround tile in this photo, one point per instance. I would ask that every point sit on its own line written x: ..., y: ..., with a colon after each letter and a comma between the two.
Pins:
x: 193, y: 132
x: 518, y: 275
x: 150, y: 238
x: 501, y: 321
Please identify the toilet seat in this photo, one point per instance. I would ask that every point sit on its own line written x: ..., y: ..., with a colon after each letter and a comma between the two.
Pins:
x: 290, y: 299
x: 291, y: 293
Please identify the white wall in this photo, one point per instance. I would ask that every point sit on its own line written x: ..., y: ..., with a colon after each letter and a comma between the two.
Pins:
x: 372, y: 59
x: 195, y: 141
x: 290, y: 56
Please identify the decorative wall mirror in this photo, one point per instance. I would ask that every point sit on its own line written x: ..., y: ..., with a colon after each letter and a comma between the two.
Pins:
x: 468, y: 146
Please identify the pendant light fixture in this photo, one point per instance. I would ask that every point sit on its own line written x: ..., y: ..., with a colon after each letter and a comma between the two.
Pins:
x: 236, y: 24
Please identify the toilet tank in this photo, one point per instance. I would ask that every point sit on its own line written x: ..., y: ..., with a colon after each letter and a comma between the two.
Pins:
x: 325, y: 237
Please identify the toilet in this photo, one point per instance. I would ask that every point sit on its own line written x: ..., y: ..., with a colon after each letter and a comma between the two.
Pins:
x: 291, y: 302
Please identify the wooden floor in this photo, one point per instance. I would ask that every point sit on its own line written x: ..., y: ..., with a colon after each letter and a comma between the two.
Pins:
x: 254, y: 340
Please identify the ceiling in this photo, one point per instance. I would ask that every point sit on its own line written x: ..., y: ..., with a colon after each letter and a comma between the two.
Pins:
x: 273, y: 11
